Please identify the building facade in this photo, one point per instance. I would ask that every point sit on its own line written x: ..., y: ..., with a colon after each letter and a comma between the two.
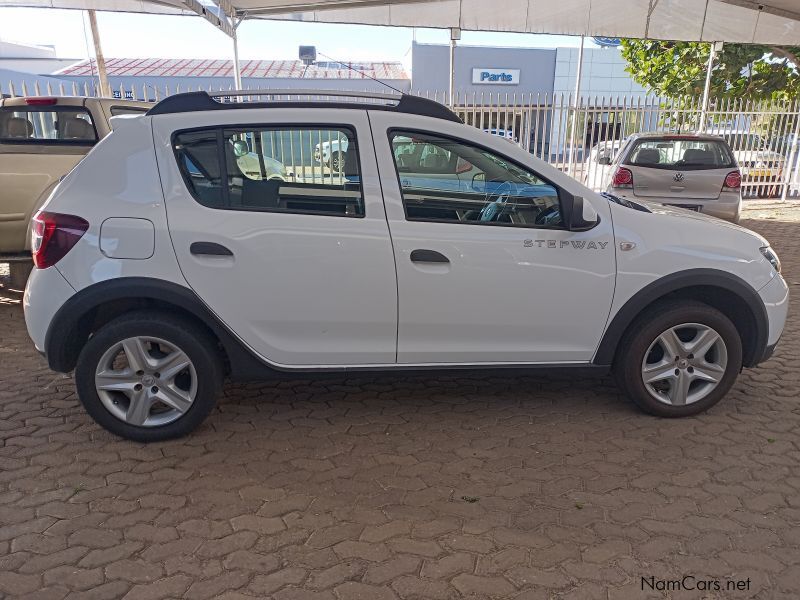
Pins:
x: 522, y: 71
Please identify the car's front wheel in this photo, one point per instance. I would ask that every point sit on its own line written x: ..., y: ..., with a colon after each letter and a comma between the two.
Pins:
x: 679, y: 358
x: 149, y: 376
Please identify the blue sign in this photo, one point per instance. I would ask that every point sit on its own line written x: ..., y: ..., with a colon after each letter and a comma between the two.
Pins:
x: 495, y: 76
x: 607, y: 42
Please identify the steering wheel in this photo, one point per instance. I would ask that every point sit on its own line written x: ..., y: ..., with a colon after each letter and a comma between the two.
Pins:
x: 548, y: 216
x: 494, y: 208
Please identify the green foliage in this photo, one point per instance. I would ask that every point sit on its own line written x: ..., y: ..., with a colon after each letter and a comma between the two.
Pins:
x: 741, y: 70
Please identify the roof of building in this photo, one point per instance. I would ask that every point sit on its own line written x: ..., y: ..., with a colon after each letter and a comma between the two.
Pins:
x: 288, y: 69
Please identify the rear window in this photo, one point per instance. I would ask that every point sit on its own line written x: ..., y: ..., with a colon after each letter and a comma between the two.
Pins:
x: 681, y: 153
x: 117, y: 111
x: 46, y: 125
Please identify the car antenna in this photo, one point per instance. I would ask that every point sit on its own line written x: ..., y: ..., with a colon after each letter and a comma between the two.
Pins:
x: 362, y: 73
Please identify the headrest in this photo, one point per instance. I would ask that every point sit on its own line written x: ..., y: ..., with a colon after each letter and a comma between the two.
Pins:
x: 78, y: 129
x: 648, y: 156
x: 19, y: 127
x: 697, y: 156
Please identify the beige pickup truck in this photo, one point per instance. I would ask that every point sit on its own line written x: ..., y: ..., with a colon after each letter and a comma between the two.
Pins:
x: 41, y: 140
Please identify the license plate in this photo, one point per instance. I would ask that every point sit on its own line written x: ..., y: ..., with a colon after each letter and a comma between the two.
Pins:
x: 694, y: 207
x: 756, y: 173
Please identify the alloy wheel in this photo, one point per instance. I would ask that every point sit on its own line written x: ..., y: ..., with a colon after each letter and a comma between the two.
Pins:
x: 684, y: 364
x: 146, y: 381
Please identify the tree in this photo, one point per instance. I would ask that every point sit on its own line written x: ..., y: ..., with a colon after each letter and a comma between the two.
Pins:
x: 740, y: 70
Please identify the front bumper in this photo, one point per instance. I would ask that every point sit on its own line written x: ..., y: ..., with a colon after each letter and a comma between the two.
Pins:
x: 775, y: 296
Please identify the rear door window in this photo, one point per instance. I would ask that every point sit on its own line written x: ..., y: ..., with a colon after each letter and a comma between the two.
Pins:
x: 681, y: 153
x: 46, y: 125
x: 299, y: 170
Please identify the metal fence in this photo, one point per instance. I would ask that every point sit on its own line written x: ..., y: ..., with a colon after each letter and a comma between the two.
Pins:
x: 578, y: 137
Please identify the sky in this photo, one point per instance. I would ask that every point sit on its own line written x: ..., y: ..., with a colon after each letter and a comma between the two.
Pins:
x: 158, y: 36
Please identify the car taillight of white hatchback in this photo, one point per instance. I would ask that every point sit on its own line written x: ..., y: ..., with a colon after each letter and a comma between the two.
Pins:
x: 53, y: 235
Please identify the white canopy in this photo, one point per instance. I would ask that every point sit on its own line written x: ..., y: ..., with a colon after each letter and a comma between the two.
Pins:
x: 775, y: 22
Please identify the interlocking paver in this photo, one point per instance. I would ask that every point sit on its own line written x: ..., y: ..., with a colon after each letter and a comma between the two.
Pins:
x: 419, y: 487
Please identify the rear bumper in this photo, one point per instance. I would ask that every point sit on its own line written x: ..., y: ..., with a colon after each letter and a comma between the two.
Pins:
x: 722, y: 209
x: 727, y: 206
x: 45, y: 293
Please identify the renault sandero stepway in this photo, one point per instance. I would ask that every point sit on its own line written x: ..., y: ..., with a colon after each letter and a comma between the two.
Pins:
x: 165, y: 264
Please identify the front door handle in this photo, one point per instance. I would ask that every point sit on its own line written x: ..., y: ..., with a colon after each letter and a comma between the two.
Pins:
x: 428, y: 256
x: 209, y: 249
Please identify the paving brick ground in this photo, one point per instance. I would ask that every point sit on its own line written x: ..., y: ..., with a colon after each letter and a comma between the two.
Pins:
x: 477, y: 487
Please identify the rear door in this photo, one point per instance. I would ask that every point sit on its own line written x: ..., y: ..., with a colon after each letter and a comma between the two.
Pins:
x: 295, y: 258
x: 680, y: 168
x: 39, y: 143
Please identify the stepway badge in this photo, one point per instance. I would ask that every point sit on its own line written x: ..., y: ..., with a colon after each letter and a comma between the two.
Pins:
x: 495, y: 76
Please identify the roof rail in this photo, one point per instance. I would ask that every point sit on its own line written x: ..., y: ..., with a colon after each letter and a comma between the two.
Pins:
x: 301, y: 92
x: 202, y: 101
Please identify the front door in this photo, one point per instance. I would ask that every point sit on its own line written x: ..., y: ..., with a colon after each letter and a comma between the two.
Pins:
x: 294, y: 257
x: 487, y: 273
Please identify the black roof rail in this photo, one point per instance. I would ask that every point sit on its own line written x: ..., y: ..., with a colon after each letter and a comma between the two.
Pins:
x: 404, y: 103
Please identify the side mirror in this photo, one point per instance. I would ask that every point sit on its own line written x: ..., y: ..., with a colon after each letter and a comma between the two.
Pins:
x: 583, y: 216
x: 604, y: 160
x: 479, y: 182
x: 240, y: 148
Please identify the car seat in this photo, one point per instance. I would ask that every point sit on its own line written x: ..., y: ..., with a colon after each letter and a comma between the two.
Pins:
x: 648, y: 156
x: 76, y: 128
x: 698, y: 156
x: 19, y: 127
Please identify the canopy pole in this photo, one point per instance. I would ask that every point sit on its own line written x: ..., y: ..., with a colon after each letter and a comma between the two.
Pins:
x: 455, y: 35
x: 105, y: 89
x: 237, y: 71
x: 573, y: 136
x: 712, y: 55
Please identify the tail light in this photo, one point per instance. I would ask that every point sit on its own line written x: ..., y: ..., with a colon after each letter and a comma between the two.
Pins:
x: 40, y: 101
x: 53, y: 235
x: 622, y: 178
x: 733, y: 180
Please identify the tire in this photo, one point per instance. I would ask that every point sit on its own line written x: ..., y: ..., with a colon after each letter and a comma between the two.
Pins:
x: 336, y: 161
x: 191, y: 392
x: 641, y: 350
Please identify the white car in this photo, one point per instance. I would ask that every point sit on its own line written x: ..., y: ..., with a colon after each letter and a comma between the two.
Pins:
x: 506, y: 134
x: 762, y: 168
x: 332, y: 152
x: 597, y: 168
x: 154, y: 284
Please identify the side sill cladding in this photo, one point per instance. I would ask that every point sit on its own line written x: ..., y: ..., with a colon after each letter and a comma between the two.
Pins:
x: 72, y: 324
x: 670, y: 284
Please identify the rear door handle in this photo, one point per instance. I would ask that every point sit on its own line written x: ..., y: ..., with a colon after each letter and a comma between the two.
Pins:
x: 428, y: 256
x: 209, y: 249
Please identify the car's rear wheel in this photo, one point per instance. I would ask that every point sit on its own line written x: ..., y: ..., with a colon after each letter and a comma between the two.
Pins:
x: 149, y: 376
x: 679, y: 359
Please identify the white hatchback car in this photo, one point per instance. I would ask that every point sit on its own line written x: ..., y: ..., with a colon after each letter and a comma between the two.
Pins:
x: 162, y: 268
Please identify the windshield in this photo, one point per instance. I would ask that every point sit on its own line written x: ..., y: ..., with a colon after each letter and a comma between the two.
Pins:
x: 681, y: 153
